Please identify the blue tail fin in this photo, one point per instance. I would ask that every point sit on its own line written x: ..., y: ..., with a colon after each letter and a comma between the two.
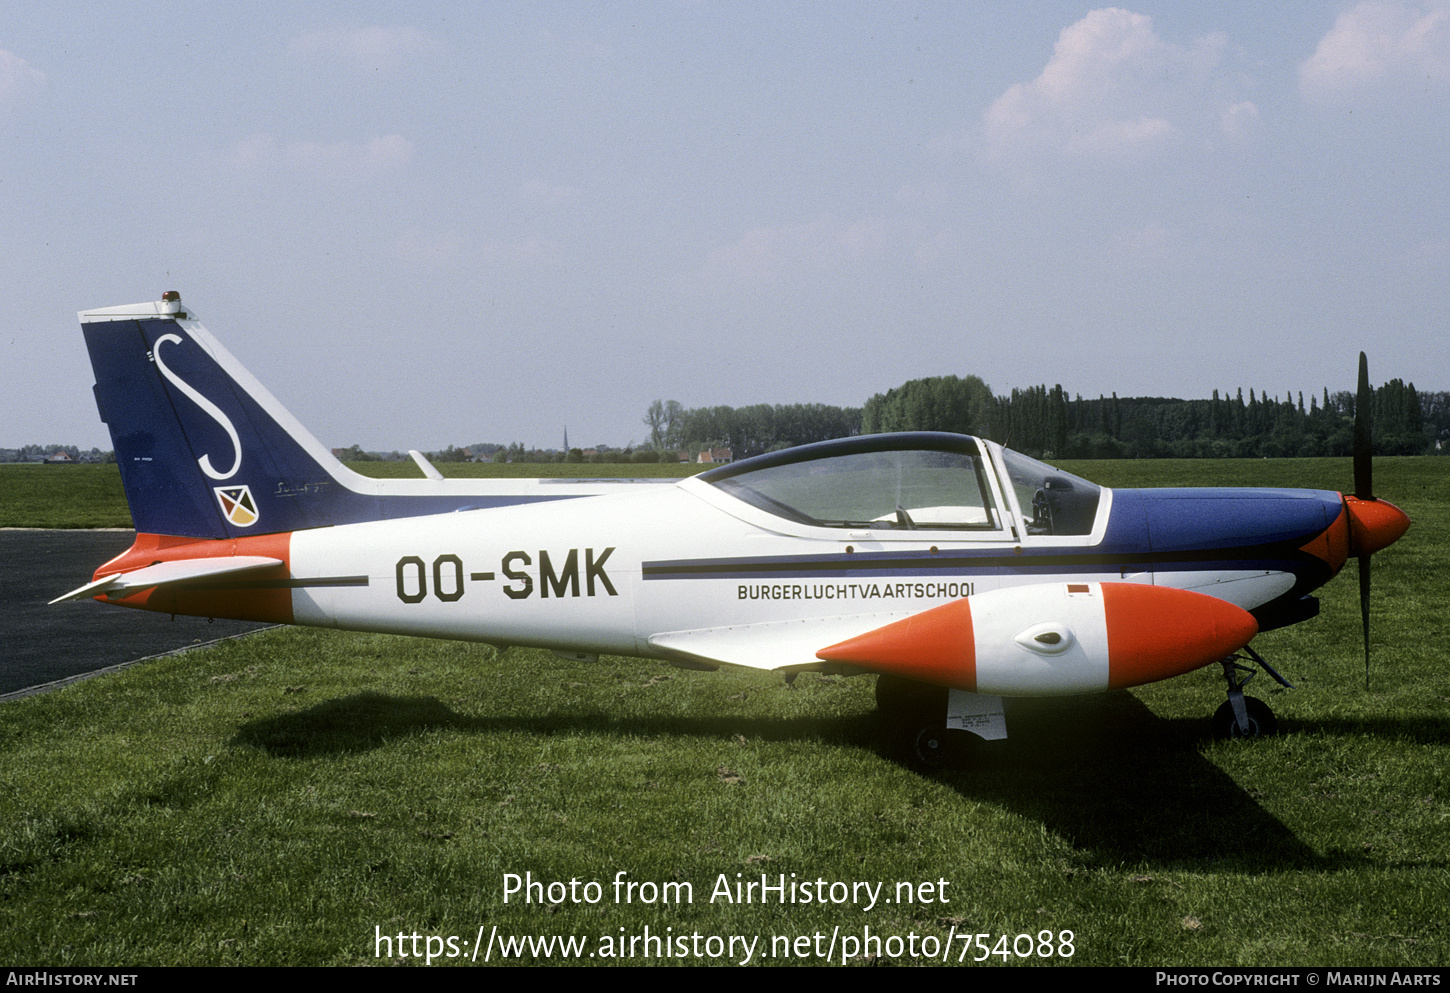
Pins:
x: 205, y: 451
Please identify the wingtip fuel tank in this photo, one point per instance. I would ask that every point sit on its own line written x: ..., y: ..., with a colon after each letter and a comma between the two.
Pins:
x: 1054, y: 638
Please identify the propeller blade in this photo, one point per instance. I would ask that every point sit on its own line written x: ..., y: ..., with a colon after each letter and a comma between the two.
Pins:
x: 1364, y: 485
x: 1363, y: 431
x: 1364, y: 611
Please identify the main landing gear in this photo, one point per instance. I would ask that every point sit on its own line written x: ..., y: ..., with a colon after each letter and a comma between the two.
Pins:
x: 1244, y: 717
x: 932, y: 727
x: 928, y: 725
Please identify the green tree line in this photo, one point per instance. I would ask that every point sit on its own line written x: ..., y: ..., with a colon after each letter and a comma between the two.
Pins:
x: 758, y: 428
x: 1046, y: 421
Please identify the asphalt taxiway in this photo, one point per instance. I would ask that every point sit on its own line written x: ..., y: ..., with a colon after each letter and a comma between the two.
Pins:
x: 40, y: 644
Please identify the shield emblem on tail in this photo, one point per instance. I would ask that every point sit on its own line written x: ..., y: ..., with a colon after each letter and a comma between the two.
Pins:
x: 237, y: 505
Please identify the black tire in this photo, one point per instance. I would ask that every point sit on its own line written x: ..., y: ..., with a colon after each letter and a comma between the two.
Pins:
x: 1262, y: 722
x: 913, y: 719
x: 933, y: 747
x: 930, y: 748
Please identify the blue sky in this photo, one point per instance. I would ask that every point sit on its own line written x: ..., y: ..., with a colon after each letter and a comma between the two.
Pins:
x: 441, y: 223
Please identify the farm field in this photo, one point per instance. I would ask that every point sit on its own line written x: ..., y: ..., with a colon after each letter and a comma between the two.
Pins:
x: 297, y: 796
x: 90, y: 496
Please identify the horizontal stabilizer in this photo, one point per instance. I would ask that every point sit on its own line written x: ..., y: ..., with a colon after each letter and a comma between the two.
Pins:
x: 125, y: 583
x: 422, y: 462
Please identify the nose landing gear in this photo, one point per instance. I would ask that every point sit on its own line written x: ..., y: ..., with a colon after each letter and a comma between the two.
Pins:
x: 1244, y: 717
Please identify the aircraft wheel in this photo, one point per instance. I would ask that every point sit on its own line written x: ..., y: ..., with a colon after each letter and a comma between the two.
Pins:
x: 934, y: 746
x: 912, y: 714
x: 930, y: 748
x: 1262, y: 722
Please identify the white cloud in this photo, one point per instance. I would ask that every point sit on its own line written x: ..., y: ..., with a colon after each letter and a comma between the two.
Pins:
x: 452, y: 250
x: 1376, y: 43
x: 1143, y: 243
x: 548, y: 194
x: 529, y: 251
x: 368, y: 48
x: 347, y: 158
x: 1240, y: 120
x: 326, y: 160
x: 1114, y: 92
x: 17, y: 77
x: 433, y: 249
x: 766, y: 253
x: 1122, y: 140
x: 259, y: 151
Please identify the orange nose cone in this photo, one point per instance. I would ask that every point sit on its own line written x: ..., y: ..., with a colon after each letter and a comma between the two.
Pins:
x: 1373, y: 524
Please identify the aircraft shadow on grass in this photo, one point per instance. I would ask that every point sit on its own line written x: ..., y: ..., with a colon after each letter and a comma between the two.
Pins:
x: 1123, y: 786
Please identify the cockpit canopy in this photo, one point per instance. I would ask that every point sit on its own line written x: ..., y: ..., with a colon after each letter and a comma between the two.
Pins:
x: 915, y: 481
x: 1052, y: 501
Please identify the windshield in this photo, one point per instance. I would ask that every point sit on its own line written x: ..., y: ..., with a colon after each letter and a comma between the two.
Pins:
x: 896, y: 486
x: 1052, y: 501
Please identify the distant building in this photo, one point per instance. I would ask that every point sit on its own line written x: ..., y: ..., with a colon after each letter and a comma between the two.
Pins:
x: 57, y: 458
x: 716, y: 455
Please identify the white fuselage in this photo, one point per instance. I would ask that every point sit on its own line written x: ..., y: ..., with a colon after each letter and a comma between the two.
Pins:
x: 647, y: 572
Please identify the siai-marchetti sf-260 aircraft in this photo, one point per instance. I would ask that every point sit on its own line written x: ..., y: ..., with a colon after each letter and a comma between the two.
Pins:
x: 959, y: 571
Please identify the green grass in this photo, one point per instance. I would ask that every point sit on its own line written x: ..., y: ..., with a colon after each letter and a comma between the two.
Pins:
x: 90, y: 496
x: 533, y: 470
x: 274, y: 800
x: 62, y: 496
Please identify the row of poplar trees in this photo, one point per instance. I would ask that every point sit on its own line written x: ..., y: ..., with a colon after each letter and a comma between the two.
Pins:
x: 1047, y: 422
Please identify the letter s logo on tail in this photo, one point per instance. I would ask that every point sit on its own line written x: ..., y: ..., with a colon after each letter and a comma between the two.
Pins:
x: 211, y: 409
